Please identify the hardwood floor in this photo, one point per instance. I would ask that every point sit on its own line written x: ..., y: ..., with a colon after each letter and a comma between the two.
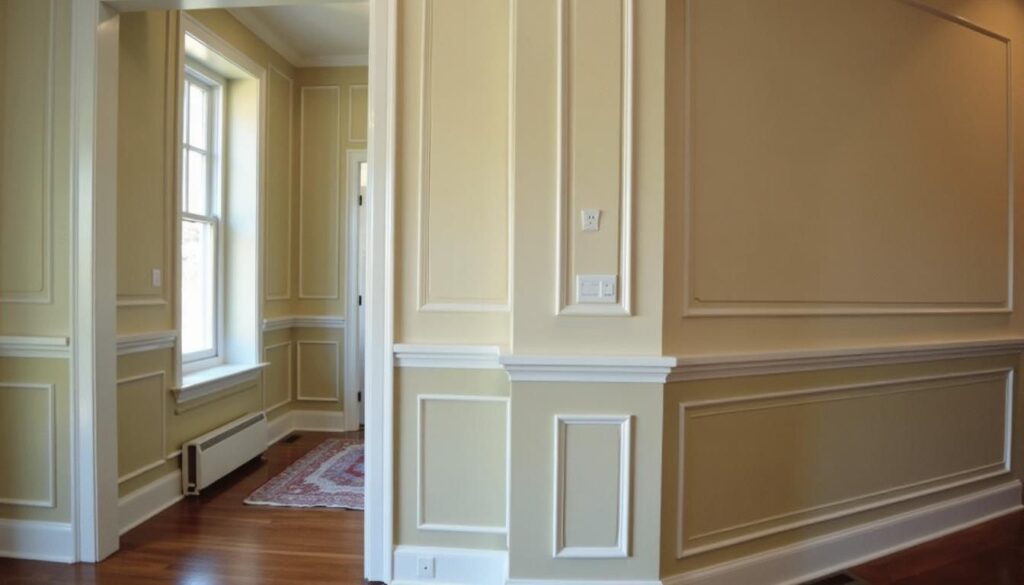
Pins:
x: 215, y: 539
x: 987, y: 554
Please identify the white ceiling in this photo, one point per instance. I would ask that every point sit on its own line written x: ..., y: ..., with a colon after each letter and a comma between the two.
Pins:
x: 335, y: 34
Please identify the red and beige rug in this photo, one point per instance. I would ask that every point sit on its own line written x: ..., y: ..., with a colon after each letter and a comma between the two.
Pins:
x: 329, y: 476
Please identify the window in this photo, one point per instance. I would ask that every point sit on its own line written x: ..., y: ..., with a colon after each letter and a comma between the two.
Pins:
x: 201, y: 255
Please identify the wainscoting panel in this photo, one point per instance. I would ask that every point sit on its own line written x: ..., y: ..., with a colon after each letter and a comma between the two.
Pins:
x: 464, y: 493
x: 278, y: 216
x: 29, y: 448
x: 757, y: 465
x: 319, y: 368
x: 277, y: 377
x: 319, y: 193
x: 141, y: 424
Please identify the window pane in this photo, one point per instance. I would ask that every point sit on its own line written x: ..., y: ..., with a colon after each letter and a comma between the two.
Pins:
x: 198, y: 104
x: 196, y: 183
x: 197, y: 287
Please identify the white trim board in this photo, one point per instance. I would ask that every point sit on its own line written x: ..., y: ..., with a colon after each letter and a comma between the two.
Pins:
x: 469, y: 357
x: 37, y: 541
x: 281, y: 426
x: 827, y: 554
x: 35, y: 347
x: 452, y: 566
x: 143, y: 342
x: 305, y: 321
x: 577, y: 582
x: 149, y: 500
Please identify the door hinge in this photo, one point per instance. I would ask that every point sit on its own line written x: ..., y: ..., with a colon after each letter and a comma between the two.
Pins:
x: 360, y: 200
x: 360, y: 300
x: 359, y: 396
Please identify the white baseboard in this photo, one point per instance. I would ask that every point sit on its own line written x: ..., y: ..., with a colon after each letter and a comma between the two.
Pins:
x: 280, y: 427
x: 304, y: 420
x: 832, y: 553
x: 577, y: 582
x: 452, y: 566
x: 148, y: 501
x: 37, y: 541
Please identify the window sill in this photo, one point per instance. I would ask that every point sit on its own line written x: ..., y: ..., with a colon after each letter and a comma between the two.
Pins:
x: 195, y: 386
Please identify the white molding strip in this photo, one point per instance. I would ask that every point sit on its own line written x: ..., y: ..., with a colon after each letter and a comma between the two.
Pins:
x: 621, y: 548
x: 735, y: 365
x: 810, y: 559
x: 143, y: 342
x: 823, y: 512
x: 421, y: 495
x: 214, y: 380
x: 148, y: 501
x: 304, y: 321
x: 37, y: 541
x: 467, y: 357
x: 35, y: 347
x: 452, y: 566
x: 304, y: 420
x: 577, y: 582
x: 624, y: 369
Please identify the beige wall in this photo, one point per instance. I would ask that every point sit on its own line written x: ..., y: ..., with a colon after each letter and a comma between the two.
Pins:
x: 35, y: 398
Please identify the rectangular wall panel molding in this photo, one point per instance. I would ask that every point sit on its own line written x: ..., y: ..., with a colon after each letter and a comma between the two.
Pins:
x: 135, y: 428
x: 273, y: 378
x: 320, y: 207
x: 790, y: 459
x: 318, y: 385
x: 853, y: 198
x: 33, y: 452
x: 596, y: 85
x: 581, y: 475
x: 479, y: 426
x: 278, y: 238
x: 464, y: 164
x: 27, y: 155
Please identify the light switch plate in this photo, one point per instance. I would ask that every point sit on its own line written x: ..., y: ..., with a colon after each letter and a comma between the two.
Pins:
x: 591, y: 220
x: 597, y: 289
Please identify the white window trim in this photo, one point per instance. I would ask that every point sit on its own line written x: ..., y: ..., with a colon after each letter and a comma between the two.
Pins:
x: 216, y: 85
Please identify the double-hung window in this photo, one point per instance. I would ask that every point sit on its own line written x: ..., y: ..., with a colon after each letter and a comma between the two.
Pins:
x: 201, y: 228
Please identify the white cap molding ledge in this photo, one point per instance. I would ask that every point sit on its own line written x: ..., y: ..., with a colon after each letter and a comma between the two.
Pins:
x: 306, y: 321
x: 667, y: 369
x: 143, y: 342
x: 35, y: 347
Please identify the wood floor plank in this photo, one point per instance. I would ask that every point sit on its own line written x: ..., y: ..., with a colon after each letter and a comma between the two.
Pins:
x: 215, y: 539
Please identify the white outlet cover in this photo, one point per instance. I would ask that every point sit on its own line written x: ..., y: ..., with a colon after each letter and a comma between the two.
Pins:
x: 425, y: 567
x: 591, y: 220
x: 597, y: 289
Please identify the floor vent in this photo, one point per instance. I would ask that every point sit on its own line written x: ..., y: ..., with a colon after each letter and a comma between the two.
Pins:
x: 291, y: 438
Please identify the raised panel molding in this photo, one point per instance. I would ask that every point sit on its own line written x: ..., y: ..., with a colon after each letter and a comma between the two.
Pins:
x: 351, y: 90
x: 266, y: 358
x: 287, y: 294
x: 425, y: 302
x: 162, y: 457
x: 564, y: 303
x: 421, y: 521
x: 563, y: 549
x: 763, y: 527
x: 335, y: 293
x: 50, y: 499
x: 44, y: 295
x: 337, y: 371
x: 694, y: 307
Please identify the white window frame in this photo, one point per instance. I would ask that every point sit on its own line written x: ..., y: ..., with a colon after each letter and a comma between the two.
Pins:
x: 215, y: 85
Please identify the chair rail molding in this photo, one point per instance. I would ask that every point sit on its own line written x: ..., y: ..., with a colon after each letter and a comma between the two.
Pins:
x: 143, y: 342
x: 468, y: 357
x: 35, y: 347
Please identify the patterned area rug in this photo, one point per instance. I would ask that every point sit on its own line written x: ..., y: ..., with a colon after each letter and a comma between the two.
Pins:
x: 329, y: 476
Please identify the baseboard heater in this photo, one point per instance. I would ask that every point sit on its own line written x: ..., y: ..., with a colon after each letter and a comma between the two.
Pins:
x: 219, y: 452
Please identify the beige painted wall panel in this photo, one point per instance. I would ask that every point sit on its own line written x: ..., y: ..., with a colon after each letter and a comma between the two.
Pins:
x: 464, y: 184
x: 320, y: 204
x: 874, y: 166
x: 319, y: 368
x: 592, y: 456
x: 465, y: 443
x: 358, y: 122
x: 278, y: 375
x: 26, y: 122
x: 35, y: 439
x: 28, y: 448
x: 277, y: 214
x: 462, y: 443
x: 594, y: 93
x: 141, y: 422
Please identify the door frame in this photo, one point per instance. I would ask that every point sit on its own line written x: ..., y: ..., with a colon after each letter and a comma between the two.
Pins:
x: 94, y: 251
x: 354, y: 342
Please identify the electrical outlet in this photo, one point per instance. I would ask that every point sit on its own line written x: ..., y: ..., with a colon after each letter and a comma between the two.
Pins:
x: 597, y: 288
x: 157, y: 278
x: 591, y: 220
x: 425, y: 567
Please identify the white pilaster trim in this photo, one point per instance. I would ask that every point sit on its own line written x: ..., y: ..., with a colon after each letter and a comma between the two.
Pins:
x: 469, y: 357
x: 143, y: 342
x: 35, y: 347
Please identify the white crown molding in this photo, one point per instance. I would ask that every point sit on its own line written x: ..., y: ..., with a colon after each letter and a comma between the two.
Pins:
x: 266, y: 33
x: 735, y: 365
x: 305, y: 321
x: 335, y: 61
x: 35, y: 347
x: 807, y: 560
x: 459, y: 357
x: 143, y: 342
x: 624, y: 369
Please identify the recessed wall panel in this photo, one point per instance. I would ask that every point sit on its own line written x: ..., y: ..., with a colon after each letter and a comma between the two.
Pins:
x: 319, y: 367
x: 320, y: 193
x: 277, y: 376
x: 278, y: 216
x: 27, y: 444
x: 140, y: 423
